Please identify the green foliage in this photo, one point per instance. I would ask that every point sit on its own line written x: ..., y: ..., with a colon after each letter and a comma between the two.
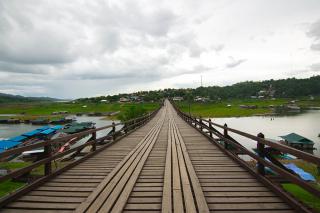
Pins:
x: 220, y: 109
x: 47, y: 108
x: 9, y: 186
x: 303, y: 195
x: 132, y: 112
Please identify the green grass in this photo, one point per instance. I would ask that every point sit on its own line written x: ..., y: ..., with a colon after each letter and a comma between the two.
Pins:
x: 220, y: 109
x: 45, y: 109
x: 303, y: 195
x: 9, y: 186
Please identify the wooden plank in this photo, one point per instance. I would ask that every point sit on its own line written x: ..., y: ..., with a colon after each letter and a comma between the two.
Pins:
x: 59, y: 194
x: 6, y: 210
x: 249, y: 206
x: 199, y: 196
x: 186, y: 185
x: 244, y: 200
x: 44, y: 206
x: 167, y: 185
x: 101, y: 196
x: 51, y: 199
x: 129, y: 182
x: 176, y: 181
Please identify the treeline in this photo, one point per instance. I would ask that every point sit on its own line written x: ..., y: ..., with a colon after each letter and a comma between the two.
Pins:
x: 284, y: 88
x: 7, y: 98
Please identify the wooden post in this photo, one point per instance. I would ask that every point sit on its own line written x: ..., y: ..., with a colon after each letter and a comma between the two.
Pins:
x: 200, y: 121
x: 210, y: 128
x: 113, y: 131
x: 47, y: 154
x: 225, y: 134
x: 125, y: 128
x: 134, y: 124
x: 261, y: 153
x: 94, y: 137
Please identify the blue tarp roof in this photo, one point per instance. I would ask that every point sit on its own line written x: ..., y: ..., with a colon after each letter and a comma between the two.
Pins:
x: 57, y: 127
x: 302, y: 174
x: 43, y: 128
x: 48, y: 131
x: 18, y: 138
x: 31, y: 133
x: 7, y: 144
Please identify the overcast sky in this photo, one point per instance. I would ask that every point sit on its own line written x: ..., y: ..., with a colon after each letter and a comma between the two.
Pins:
x: 71, y: 49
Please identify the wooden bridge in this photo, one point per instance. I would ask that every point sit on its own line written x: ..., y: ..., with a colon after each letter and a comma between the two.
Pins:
x: 171, y: 163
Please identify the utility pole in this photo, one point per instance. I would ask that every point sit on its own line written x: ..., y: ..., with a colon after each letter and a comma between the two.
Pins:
x: 201, y: 80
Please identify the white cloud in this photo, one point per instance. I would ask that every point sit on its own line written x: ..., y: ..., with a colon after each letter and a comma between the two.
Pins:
x: 81, y: 48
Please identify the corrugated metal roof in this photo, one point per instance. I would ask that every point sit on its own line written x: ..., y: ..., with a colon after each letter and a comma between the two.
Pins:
x: 18, y: 138
x: 295, y: 138
x: 31, y: 133
x: 57, y: 127
x: 43, y: 128
x: 7, y: 144
x: 48, y: 131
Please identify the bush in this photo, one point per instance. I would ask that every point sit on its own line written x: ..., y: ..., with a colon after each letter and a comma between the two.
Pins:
x: 132, y: 112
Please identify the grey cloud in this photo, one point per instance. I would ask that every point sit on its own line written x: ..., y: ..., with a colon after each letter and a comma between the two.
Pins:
x: 314, y: 32
x: 315, y: 46
x: 218, y: 47
x: 315, y: 67
x: 23, y: 68
x: 234, y: 63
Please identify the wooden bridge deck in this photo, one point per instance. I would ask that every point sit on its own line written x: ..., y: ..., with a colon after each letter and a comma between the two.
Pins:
x: 165, y: 166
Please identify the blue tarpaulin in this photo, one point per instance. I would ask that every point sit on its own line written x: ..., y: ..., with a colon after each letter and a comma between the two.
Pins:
x: 57, y: 127
x: 48, y: 131
x: 43, y: 128
x: 302, y: 174
x: 32, y: 133
x: 18, y: 138
x: 7, y: 144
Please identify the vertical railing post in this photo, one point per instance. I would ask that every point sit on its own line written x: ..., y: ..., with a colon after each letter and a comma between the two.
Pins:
x: 225, y: 134
x: 113, y: 131
x: 94, y: 145
x: 261, y: 154
x: 125, y: 128
x: 200, y: 121
x: 47, y: 154
x: 134, y: 124
x: 210, y: 128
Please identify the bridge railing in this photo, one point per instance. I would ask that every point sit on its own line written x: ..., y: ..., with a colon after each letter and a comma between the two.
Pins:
x: 49, y: 156
x: 209, y: 128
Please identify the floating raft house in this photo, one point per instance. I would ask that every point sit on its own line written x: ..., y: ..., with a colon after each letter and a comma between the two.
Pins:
x: 298, y: 141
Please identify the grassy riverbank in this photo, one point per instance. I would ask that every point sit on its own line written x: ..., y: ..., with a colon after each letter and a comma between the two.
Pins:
x: 34, y: 110
x: 231, y: 108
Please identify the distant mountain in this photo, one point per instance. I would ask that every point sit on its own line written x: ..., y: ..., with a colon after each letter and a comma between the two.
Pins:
x: 7, y: 98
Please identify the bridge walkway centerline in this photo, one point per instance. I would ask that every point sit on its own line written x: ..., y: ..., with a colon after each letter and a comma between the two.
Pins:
x: 165, y: 166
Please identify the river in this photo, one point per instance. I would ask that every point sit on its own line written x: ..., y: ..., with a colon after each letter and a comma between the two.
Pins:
x: 11, y: 130
x: 306, y: 124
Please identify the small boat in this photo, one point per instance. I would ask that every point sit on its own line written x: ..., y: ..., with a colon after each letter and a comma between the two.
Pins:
x: 40, y: 121
x: 61, y: 121
x: 76, y: 127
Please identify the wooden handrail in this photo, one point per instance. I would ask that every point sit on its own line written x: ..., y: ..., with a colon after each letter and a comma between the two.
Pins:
x: 260, y: 140
x: 19, y: 172
x: 303, y: 155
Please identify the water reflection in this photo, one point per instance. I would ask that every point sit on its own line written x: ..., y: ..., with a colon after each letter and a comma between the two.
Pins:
x: 305, y: 124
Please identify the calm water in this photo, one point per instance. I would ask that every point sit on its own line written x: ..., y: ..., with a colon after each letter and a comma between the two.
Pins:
x: 7, y: 131
x: 306, y: 124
